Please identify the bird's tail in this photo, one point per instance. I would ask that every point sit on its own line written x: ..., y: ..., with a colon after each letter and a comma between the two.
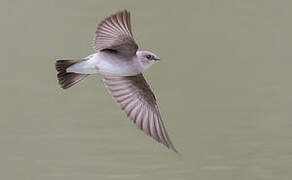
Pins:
x: 68, y: 79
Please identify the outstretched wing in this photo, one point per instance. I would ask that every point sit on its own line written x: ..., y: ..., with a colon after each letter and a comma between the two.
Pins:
x: 136, y: 99
x: 115, y: 33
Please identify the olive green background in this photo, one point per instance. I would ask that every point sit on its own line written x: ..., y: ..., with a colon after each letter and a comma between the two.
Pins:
x: 223, y: 87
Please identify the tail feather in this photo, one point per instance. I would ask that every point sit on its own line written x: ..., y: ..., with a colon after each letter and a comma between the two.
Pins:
x: 68, y: 79
x: 62, y: 65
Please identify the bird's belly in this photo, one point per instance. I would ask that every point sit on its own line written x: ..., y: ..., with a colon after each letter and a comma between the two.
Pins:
x: 115, y: 66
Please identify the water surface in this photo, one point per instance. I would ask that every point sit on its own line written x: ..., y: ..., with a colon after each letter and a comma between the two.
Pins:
x: 223, y: 87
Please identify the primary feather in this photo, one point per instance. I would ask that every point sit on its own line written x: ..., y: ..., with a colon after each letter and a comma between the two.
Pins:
x: 136, y: 99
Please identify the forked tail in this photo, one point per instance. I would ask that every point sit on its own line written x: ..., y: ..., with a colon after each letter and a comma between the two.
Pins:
x: 68, y: 79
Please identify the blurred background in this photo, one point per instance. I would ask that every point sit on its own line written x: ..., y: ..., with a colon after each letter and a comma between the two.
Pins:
x: 223, y: 88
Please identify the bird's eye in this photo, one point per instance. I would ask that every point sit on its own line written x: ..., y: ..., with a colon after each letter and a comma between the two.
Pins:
x: 149, y: 57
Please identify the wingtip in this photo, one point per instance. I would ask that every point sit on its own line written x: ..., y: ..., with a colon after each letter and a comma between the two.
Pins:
x: 125, y: 10
x: 120, y: 12
x: 171, y: 146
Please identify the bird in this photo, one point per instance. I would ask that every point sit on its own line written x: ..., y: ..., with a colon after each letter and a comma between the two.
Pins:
x: 121, y: 64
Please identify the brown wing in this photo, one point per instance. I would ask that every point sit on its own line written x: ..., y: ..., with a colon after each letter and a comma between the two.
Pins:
x: 136, y: 99
x: 115, y: 33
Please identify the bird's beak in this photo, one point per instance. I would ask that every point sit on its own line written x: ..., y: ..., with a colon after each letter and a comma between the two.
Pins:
x: 156, y: 59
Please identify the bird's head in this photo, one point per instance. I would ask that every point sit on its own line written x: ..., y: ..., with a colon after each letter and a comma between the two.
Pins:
x: 147, y: 58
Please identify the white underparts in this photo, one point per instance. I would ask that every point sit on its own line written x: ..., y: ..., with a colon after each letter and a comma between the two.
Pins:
x: 88, y: 66
x: 107, y: 64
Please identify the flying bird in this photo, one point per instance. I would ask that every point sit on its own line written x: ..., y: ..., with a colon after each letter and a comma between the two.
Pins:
x: 117, y: 58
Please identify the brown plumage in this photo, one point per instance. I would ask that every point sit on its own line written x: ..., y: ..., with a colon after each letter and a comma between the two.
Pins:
x: 117, y: 58
x: 115, y: 33
x: 136, y: 99
x: 68, y: 79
